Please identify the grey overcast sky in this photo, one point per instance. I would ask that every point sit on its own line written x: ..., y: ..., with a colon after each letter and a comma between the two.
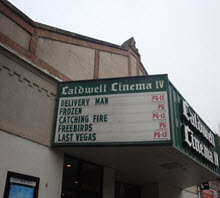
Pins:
x: 180, y: 38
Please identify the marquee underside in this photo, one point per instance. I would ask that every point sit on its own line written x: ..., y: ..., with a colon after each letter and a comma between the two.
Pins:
x: 144, y: 164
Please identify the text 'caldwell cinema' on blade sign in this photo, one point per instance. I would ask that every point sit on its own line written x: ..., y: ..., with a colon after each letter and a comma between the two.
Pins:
x: 195, y: 143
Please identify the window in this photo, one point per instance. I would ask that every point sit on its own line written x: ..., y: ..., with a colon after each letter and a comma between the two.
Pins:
x: 81, y: 179
x: 124, y: 190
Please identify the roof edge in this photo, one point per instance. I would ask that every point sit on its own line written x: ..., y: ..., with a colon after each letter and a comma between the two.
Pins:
x: 130, y: 43
x: 58, y: 30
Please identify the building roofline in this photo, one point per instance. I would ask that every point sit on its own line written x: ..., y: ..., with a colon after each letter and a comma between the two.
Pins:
x: 76, y: 35
x: 58, y: 30
x: 127, y: 46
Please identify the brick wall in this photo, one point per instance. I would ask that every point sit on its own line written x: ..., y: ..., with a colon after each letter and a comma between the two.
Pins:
x: 42, y: 31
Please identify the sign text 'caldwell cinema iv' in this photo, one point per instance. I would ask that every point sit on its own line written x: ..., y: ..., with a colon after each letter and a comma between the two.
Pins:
x: 115, y: 111
x: 115, y: 87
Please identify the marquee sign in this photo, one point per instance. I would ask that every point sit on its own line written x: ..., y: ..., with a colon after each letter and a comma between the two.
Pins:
x: 131, y: 110
x: 191, y: 134
x: 203, y: 145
